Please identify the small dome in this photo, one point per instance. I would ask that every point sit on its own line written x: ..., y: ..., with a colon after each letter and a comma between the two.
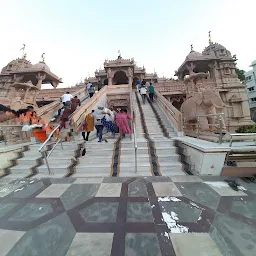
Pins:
x: 16, y: 65
x: 41, y: 66
x: 193, y: 55
x: 217, y: 49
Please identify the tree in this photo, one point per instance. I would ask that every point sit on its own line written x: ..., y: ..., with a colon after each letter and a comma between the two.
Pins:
x: 240, y: 74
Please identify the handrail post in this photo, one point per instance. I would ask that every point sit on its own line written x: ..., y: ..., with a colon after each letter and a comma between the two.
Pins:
x: 198, y: 126
x: 61, y: 143
x: 46, y: 161
x: 220, y: 125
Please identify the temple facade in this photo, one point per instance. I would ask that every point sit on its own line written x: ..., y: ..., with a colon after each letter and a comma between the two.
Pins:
x: 216, y: 67
x: 218, y: 73
x: 120, y: 71
x: 21, y: 82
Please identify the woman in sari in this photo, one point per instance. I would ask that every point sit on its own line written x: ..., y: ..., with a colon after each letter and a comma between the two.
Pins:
x: 122, y: 122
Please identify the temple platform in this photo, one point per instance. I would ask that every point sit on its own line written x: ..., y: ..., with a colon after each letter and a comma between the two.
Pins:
x: 178, y: 215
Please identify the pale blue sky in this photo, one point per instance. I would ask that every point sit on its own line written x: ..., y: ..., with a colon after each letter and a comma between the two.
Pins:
x: 78, y: 35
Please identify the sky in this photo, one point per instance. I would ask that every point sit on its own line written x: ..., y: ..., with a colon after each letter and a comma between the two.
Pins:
x: 77, y: 36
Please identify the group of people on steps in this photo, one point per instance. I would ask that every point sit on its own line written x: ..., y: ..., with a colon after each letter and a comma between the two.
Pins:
x: 112, y: 120
x: 143, y: 89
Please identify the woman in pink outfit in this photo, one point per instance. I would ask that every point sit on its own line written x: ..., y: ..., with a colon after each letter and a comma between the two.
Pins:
x: 122, y: 122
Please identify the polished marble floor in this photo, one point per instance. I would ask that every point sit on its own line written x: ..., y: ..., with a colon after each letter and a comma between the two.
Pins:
x: 127, y: 216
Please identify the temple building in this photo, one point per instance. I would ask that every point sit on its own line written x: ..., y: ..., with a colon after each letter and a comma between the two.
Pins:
x: 218, y: 66
x: 120, y: 71
x: 21, y: 82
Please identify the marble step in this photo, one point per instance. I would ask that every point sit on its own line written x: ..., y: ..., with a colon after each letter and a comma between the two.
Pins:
x: 56, y: 169
x: 20, y: 169
x: 27, y: 161
x: 32, y: 153
x: 87, y: 173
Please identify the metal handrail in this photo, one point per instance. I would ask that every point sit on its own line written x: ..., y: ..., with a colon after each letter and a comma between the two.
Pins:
x: 198, y: 125
x: 49, y: 137
x: 135, y: 142
x: 219, y: 114
x: 44, y: 152
x: 240, y: 135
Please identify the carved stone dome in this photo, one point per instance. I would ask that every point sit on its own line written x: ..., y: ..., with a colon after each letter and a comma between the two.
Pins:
x: 41, y: 66
x: 16, y: 65
x: 193, y: 55
x: 216, y: 49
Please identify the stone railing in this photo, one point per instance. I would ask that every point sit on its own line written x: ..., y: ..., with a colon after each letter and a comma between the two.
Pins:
x: 171, y: 87
x: 12, y: 134
x: 54, y: 94
x: 51, y: 109
x: 171, y: 112
x: 100, y: 97
x: 78, y: 117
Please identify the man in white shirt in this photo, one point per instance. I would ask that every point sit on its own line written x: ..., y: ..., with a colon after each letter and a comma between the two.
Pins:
x: 66, y: 99
x: 89, y: 85
x: 143, y: 92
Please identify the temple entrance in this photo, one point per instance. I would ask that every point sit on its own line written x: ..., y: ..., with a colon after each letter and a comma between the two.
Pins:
x: 105, y: 82
x: 177, y: 103
x: 120, y: 78
x: 134, y: 82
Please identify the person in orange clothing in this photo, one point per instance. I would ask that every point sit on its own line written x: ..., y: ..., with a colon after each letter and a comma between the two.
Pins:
x: 88, y: 125
x: 34, y: 118
x: 50, y: 127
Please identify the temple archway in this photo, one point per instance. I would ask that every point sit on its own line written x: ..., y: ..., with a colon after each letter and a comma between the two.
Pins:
x: 120, y: 78
x: 177, y: 103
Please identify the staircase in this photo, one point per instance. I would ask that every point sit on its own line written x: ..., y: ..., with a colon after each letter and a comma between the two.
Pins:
x: 156, y: 153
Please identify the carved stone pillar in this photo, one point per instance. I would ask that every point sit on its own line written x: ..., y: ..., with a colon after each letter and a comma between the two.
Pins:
x: 110, y: 76
x: 40, y: 77
x: 26, y: 93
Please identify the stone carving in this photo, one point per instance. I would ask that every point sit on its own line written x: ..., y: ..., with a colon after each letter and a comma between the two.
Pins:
x: 40, y: 76
x: 130, y: 73
x: 110, y: 73
x: 118, y: 103
x: 202, y: 103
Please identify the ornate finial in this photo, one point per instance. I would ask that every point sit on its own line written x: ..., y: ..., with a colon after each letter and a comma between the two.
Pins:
x: 191, y: 47
x: 119, y: 54
x: 23, y: 51
x: 210, y: 38
x: 43, y: 58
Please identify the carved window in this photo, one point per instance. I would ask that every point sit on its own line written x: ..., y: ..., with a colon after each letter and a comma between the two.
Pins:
x: 227, y: 71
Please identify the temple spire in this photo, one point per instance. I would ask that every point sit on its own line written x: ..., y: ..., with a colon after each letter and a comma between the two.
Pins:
x: 43, y: 58
x: 23, y: 51
x: 191, y: 47
x: 210, y: 38
x: 119, y: 54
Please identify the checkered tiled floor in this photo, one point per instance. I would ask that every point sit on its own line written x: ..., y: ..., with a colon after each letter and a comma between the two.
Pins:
x: 183, y: 215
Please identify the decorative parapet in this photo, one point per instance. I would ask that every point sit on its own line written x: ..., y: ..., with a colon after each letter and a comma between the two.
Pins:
x: 118, y: 62
x: 171, y: 87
